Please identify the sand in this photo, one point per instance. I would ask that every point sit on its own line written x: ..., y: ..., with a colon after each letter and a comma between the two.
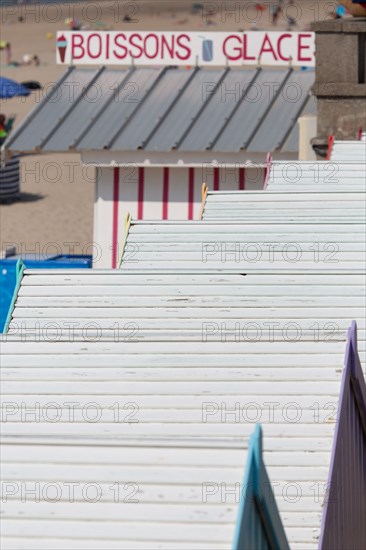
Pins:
x: 62, y: 211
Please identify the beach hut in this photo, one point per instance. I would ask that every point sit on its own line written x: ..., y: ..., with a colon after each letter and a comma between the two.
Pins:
x: 155, y: 134
x: 184, y: 391
x: 196, y: 352
x: 184, y: 406
x: 350, y: 150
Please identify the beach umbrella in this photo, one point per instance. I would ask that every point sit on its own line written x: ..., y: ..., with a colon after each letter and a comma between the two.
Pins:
x: 10, y: 88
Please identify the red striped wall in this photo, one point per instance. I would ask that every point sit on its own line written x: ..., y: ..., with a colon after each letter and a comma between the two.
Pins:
x: 157, y: 193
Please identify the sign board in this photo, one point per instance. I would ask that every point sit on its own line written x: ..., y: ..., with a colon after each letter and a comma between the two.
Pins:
x: 186, y: 48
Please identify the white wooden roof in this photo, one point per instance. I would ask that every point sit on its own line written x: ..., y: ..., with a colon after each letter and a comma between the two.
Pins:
x: 60, y: 304
x: 169, y: 386
x: 293, y: 205
x: 352, y: 151
x: 175, y: 392
x: 271, y: 245
x: 333, y: 176
x: 308, y: 210
x: 184, y: 347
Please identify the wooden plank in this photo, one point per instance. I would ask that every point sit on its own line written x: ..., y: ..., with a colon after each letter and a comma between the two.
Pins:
x: 120, y: 530
x: 242, y: 407
x: 215, y: 301
x: 155, y: 474
x: 66, y: 454
x: 206, y: 414
x: 119, y: 292
x: 354, y: 266
x: 134, y: 512
x: 319, y: 312
x: 182, y: 387
x: 11, y: 346
x: 147, y: 281
x: 268, y: 197
x: 313, y: 444
x: 240, y: 252
x: 46, y: 543
x: 230, y: 227
x: 251, y: 359
x: 207, y: 333
x: 240, y: 374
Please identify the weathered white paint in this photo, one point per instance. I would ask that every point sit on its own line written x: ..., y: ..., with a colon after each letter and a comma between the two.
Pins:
x: 171, y: 373
x: 171, y: 386
x: 354, y: 151
x: 151, y: 202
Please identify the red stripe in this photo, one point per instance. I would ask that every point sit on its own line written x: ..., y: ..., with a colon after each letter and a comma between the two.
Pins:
x: 165, y: 193
x: 140, y: 194
x: 241, y: 179
x: 216, y: 182
x: 267, y: 170
x: 190, y: 192
x: 330, y: 146
x: 115, y: 217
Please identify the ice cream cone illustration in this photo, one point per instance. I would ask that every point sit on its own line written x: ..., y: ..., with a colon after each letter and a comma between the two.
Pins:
x: 61, y: 46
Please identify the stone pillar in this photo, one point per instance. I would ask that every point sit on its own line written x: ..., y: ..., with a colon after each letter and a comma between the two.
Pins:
x: 340, y: 83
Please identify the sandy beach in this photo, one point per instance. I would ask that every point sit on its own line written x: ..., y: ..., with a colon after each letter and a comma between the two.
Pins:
x: 53, y: 208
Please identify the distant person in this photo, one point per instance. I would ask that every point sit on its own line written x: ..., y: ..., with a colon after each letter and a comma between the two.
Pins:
x: 340, y: 12
x: 6, y: 126
x: 275, y: 14
x: 6, y: 46
x: 31, y: 60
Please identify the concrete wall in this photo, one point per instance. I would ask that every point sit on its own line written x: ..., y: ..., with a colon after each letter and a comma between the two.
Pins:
x: 340, y: 85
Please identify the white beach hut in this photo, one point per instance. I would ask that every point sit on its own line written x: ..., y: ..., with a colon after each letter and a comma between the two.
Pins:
x: 155, y: 134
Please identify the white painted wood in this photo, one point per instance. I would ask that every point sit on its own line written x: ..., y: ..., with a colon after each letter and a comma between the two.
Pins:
x: 112, y: 301
x: 71, y: 277
x: 269, y: 196
x: 170, y: 402
x: 45, y: 543
x: 195, y: 404
x: 102, y: 224
x: 351, y: 151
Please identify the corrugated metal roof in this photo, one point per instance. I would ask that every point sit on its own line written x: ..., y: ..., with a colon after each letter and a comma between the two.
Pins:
x: 290, y: 100
x: 155, y: 109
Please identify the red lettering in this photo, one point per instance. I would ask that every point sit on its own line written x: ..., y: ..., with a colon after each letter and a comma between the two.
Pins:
x: 77, y: 41
x: 148, y: 43
x: 280, y: 55
x: 301, y: 46
x: 236, y: 49
x: 98, y: 44
x: 136, y: 45
x: 246, y: 56
x: 165, y: 45
x: 107, y: 46
x: 268, y: 49
x: 118, y: 44
x: 183, y: 46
